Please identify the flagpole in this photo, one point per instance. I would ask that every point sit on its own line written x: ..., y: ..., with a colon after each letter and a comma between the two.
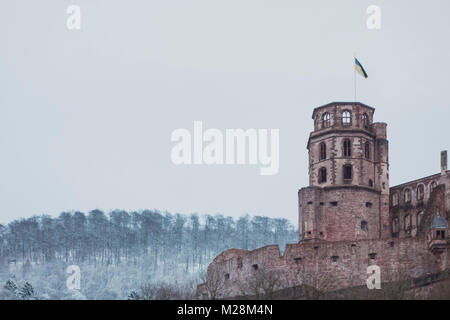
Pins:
x: 354, y: 72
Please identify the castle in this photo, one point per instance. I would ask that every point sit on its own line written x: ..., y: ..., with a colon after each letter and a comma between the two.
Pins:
x: 349, y: 217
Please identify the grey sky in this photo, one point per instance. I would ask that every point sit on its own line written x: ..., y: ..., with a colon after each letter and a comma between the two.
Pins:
x: 86, y: 116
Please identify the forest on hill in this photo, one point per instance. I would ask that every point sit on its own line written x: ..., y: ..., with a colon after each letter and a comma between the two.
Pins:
x: 122, y: 253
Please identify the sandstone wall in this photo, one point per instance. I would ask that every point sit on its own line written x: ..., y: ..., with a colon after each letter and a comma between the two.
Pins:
x: 328, y: 266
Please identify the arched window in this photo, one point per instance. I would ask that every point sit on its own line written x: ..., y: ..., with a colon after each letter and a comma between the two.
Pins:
x: 322, y: 175
x: 346, y: 117
x: 370, y: 183
x: 367, y: 150
x: 407, y: 223
x: 326, y: 120
x: 414, y: 224
x: 347, y: 172
x: 420, y: 192
x: 323, y: 151
x: 407, y: 196
x: 419, y: 217
x: 347, y: 148
x: 365, y: 120
x: 395, y: 199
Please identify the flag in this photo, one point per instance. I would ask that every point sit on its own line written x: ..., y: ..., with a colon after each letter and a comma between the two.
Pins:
x: 360, y: 69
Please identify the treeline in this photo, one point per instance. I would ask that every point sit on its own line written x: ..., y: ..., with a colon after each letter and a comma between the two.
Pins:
x: 169, y: 242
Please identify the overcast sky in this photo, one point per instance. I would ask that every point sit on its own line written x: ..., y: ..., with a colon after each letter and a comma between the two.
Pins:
x: 86, y: 115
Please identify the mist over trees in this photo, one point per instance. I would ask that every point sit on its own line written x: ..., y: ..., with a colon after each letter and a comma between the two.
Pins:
x: 123, y: 251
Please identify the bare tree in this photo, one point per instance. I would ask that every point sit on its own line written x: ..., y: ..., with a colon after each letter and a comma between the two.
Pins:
x: 164, y: 291
x: 264, y: 284
x: 213, y: 283
x: 315, y: 283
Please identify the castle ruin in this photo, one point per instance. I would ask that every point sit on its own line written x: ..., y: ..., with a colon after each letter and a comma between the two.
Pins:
x: 349, y: 217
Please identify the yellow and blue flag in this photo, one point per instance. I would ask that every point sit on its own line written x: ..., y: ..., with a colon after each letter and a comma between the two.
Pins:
x: 360, y: 69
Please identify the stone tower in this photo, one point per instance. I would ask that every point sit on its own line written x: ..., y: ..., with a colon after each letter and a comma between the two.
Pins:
x: 348, y: 193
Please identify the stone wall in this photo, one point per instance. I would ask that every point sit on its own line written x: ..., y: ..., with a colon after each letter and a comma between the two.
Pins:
x: 339, y: 213
x: 327, y: 266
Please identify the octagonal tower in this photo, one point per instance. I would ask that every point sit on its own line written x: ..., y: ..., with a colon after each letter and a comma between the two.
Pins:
x: 347, y: 197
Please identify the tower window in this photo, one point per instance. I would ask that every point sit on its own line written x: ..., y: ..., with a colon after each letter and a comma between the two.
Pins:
x: 347, y: 148
x: 367, y: 150
x: 322, y: 175
x: 440, y: 234
x: 347, y: 172
x: 420, y: 192
x: 346, y: 117
x: 255, y: 267
x: 323, y: 151
x: 326, y: 120
x: 365, y: 120
x: 370, y: 183
x: 364, y: 225
x: 372, y: 256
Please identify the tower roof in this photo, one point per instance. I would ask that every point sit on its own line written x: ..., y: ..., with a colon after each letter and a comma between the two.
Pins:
x: 439, y: 222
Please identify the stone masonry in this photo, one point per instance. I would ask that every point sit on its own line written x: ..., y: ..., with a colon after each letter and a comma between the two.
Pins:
x: 349, y: 217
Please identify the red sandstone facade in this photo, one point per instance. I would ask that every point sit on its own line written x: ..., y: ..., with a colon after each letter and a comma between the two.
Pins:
x: 349, y: 217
